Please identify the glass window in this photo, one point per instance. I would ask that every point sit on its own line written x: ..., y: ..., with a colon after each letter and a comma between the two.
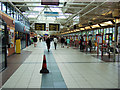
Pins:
x: 8, y: 10
x: 104, y: 31
x: 4, y: 7
x: 0, y: 6
x: 15, y: 14
x: 12, y: 12
x: 21, y: 18
x: 111, y: 30
x: 107, y: 30
x: 101, y: 30
x: 18, y: 16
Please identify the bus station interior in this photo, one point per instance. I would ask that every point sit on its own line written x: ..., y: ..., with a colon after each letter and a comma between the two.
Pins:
x: 79, y: 66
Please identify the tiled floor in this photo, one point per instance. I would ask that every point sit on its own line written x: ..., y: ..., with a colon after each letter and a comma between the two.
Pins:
x: 13, y: 63
x: 76, y: 69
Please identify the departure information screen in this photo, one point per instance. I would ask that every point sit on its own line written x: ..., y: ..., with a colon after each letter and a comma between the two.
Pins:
x: 50, y: 2
x: 40, y: 26
x: 54, y: 27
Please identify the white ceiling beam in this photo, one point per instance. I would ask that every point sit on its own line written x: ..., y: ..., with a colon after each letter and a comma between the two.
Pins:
x: 87, y: 11
x: 49, y: 6
x: 28, y: 1
x: 81, y: 4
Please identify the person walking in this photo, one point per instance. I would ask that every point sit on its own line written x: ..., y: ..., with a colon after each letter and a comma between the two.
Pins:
x: 68, y: 42
x: 81, y: 44
x: 35, y: 41
x: 48, y: 43
x: 90, y: 44
x: 55, y: 42
x: 62, y: 42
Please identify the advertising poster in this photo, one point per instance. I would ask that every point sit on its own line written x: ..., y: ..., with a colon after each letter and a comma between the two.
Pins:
x: 11, y: 37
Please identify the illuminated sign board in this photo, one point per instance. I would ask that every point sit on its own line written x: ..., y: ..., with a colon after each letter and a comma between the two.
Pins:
x: 49, y: 2
x: 54, y: 27
x: 40, y: 26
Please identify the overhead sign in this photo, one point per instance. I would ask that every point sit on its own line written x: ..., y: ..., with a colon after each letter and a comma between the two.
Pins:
x: 40, y: 26
x: 51, y: 14
x: 54, y: 27
x: 50, y: 2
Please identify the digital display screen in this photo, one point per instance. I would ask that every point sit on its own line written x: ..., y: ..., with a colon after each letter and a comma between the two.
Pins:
x: 50, y: 2
x: 54, y: 27
x: 40, y: 26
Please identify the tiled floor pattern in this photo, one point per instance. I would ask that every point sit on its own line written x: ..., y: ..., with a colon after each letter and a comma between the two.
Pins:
x: 13, y: 64
x: 78, y: 69
x: 27, y: 75
x: 83, y: 71
x: 54, y: 79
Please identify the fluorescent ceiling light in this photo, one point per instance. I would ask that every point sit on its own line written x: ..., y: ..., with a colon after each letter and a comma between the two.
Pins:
x: 88, y: 27
x: 82, y: 29
x: 77, y: 29
x: 106, y: 23
x: 95, y: 26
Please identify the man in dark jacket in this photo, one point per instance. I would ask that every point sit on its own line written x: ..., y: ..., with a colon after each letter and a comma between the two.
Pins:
x: 48, y: 43
x: 90, y: 44
x: 62, y: 42
x: 81, y: 44
x: 35, y: 41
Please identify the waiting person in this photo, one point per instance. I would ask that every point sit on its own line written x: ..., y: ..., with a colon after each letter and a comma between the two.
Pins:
x: 55, y: 42
x: 48, y: 43
x: 40, y: 39
x: 62, y: 42
x: 35, y: 41
x: 68, y: 42
x: 90, y: 44
x: 81, y: 44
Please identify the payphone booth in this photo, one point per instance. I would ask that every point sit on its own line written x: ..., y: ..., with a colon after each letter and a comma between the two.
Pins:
x: 3, y: 43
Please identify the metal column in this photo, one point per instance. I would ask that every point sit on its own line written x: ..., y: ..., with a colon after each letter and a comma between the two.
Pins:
x: 115, y: 39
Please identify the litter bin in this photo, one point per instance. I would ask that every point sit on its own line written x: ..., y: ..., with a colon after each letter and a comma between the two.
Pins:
x: 18, y: 46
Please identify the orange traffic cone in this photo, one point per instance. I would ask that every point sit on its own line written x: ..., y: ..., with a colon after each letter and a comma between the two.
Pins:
x: 44, y: 66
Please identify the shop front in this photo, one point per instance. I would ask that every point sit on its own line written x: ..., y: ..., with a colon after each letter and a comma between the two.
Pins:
x: 22, y: 33
x: 10, y: 33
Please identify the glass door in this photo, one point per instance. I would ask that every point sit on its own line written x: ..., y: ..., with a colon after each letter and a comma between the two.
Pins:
x: 3, y: 46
